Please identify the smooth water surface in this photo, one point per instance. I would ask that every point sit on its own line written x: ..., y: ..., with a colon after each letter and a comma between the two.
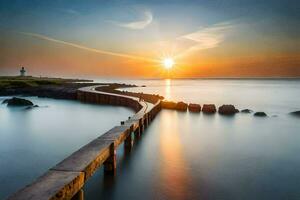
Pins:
x: 197, y: 156
x: 32, y: 141
x: 181, y: 155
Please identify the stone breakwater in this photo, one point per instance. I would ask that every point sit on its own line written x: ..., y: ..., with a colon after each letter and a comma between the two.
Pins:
x: 226, y: 109
x: 66, y: 179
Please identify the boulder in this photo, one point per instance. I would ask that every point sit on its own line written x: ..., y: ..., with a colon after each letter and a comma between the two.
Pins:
x: 209, y: 108
x: 18, y: 102
x: 260, y: 114
x: 194, y: 107
x: 246, y: 111
x: 227, y: 110
x: 181, y: 106
x: 5, y: 101
x: 296, y: 113
x: 168, y: 105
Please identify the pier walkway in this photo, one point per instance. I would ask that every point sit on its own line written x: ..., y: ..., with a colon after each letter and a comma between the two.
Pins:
x: 66, y: 179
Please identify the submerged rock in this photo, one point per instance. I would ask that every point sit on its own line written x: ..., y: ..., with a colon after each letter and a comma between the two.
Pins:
x: 295, y: 113
x: 194, y: 107
x: 209, y: 108
x: 31, y: 107
x: 228, y: 110
x: 260, y: 114
x: 181, y: 106
x: 246, y: 111
x: 18, y: 102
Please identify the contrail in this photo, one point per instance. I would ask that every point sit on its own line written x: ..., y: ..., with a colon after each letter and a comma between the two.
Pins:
x: 43, y: 37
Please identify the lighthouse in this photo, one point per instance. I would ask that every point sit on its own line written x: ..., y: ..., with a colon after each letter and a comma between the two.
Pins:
x: 22, y: 71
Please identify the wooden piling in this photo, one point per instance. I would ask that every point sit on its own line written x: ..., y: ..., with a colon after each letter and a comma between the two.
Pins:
x: 110, y: 165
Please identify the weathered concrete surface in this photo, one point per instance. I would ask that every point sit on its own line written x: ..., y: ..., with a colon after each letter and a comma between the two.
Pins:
x: 117, y: 134
x: 87, y: 159
x: 52, y: 185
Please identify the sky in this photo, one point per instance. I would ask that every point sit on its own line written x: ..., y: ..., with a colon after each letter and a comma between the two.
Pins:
x: 130, y: 39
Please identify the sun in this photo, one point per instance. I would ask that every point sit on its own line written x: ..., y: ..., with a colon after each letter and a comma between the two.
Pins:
x: 168, y: 63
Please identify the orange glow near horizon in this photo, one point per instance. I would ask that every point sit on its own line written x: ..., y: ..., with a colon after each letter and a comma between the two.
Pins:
x: 167, y: 89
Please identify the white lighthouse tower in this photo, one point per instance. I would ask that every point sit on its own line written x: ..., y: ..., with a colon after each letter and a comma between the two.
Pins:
x: 22, y: 72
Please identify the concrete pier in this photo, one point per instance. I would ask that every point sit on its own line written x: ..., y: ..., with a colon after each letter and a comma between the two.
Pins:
x: 66, y: 179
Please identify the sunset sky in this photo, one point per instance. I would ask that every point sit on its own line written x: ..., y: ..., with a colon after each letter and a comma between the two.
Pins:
x: 122, y: 38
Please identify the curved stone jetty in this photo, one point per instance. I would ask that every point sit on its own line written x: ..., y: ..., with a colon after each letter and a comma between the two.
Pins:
x: 194, y: 107
x: 227, y: 110
x: 66, y: 179
x: 209, y: 108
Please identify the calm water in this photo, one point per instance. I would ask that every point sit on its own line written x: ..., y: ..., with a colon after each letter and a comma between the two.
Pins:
x: 32, y: 141
x: 181, y: 155
x: 196, y: 156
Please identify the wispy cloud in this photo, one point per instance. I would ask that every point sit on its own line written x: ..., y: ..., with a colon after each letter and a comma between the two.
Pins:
x: 204, y: 38
x: 69, y: 11
x: 43, y: 37
x: 141, y: 24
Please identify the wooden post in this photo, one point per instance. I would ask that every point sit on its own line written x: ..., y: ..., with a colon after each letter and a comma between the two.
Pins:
x: 128, y: 143
x: 79, y: 195
x: 110, y: 164
x: 137, y: 133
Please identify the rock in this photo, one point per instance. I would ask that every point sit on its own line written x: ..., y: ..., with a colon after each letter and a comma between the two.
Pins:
x: 5, y: 101
x: 246, y: 111
x: 18, y: 102
x: 296, y: 113
x: 227, y: 110
x: 181, y: 106
x: 30, y: 107
x: 260, y: 114
x: 209, y: 108
x: 168, y: 104
x: 194, y: 107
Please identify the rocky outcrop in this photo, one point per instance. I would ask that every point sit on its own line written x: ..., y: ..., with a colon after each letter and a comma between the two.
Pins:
x: 227, y: 110
x: 295, y: 113
x: 17, y: 102
x: 181, y: 106
x: 246, y: 111
x: 209, y: 108
x: 194, y: 107
x: 260, y: 114
x: 168, y: 105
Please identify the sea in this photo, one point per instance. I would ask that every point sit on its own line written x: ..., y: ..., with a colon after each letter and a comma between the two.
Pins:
x: 181, y: 155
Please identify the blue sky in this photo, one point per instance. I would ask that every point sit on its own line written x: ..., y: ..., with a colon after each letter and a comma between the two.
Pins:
x: 204, y: 27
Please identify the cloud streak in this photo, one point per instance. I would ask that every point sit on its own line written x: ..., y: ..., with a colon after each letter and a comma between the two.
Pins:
x: 204, y: 38
x: 43, y: 37
x: 136, y: 25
